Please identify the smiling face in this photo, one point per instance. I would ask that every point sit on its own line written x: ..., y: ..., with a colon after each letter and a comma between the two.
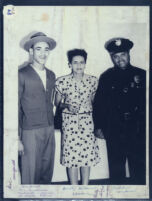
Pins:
x: 40, y: 53
x: 78, y: 64
x: 121, y: 59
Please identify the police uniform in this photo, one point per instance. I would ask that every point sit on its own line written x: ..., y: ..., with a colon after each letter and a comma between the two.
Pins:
x: 119, y: 111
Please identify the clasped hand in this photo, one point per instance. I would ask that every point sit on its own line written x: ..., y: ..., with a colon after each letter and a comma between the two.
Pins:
x: 73, y: 108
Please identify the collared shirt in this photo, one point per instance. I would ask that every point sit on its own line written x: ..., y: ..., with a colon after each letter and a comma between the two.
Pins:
x: 42, y: 75
x: 79, y: 94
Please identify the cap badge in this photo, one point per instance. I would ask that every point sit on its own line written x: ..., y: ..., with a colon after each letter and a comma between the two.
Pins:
x: 118, y: 42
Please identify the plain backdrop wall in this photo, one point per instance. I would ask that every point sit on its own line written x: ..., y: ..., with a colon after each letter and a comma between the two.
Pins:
x: 72, y: 27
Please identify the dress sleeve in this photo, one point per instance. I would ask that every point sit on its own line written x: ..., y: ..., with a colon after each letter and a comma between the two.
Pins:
x: 95, y: 85
x: 59, y: 86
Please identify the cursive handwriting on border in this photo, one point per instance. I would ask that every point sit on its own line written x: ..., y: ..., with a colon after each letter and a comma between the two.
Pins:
x: 9, y: 186
x: 14, y: 170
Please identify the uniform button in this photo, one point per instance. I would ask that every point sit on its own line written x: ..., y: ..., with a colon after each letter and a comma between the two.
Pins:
x: 125, y: 90
x: 132, y: 84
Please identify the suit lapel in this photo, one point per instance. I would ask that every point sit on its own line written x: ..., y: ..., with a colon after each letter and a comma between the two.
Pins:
x: 49, y: 84
x: 47, y: 79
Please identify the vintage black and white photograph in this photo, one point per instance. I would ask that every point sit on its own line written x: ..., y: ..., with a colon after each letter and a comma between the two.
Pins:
x: 76, y: 91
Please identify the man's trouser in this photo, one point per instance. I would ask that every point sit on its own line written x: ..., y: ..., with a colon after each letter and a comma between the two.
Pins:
x: 37, y: 163
x: 118, y: 152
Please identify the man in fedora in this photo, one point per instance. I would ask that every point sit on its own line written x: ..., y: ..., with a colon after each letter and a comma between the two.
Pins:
x: 120, y: 114
x: 36, y: 121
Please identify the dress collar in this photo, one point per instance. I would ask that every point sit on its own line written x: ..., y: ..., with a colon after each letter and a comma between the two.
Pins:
x: 82, y: 80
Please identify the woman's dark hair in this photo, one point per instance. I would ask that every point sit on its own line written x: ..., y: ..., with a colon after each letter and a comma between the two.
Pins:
x: 76, y: 52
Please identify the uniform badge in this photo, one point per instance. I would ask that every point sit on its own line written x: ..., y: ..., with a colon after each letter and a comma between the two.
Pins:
x: 118, y: 42
x: 125, y: 89
x: 137, y: 79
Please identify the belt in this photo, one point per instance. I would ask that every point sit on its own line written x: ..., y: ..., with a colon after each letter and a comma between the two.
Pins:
x: 127, y: 115
x: 77, y: 113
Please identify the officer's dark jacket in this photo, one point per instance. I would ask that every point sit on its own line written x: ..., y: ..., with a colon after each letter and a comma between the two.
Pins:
x: 120, y: 100
x: 35, y: 103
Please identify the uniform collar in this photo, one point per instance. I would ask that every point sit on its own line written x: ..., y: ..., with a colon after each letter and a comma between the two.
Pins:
x: 123, y: 70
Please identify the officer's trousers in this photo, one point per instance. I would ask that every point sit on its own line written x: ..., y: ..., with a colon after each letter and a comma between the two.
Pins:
x: 37, y: 163
x: 118, y: 152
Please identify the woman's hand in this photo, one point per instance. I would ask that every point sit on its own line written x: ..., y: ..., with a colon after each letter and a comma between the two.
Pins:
x: 73, y: 109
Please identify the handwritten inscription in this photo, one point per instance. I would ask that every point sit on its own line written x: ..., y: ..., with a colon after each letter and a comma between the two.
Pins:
x: 14, y: 170
x: 34, y: 191
x: 11, y: 11
x: 87, y: 191
x: 97, y: 192
x: 9, y: 186
x: 94, y: 192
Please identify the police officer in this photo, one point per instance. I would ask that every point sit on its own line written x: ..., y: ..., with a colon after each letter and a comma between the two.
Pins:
x: 119, y: 114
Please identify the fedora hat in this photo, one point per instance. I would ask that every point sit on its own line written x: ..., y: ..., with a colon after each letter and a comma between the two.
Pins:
x: 39, y: 37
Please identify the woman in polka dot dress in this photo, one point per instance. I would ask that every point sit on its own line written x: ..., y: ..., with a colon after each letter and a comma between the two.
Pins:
x: 74, y: 94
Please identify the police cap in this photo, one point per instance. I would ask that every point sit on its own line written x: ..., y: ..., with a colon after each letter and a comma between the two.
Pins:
x: 115, y: 45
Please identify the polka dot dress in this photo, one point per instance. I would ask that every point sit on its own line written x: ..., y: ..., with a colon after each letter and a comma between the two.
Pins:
x: 79, y: 145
